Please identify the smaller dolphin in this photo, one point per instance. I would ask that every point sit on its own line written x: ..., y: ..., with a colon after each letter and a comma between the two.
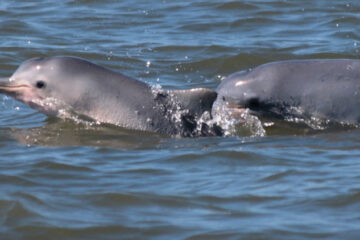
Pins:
x: 58, y: 85
x: 322, y: 89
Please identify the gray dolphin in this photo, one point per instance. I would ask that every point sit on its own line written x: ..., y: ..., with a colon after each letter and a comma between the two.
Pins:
x: 59, y: 85
x: 324, y: 89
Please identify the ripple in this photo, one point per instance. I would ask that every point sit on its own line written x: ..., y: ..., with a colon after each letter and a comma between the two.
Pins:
x: 54, y: 166
x: 13, y: 26
x: 232, y: 5
x: 61, y: 180
x: 280, y: 175
x: 16, y: 180
x: 96, y: 232
x: 341, y: 201
x: 18, y: 215
x: 252, y: 21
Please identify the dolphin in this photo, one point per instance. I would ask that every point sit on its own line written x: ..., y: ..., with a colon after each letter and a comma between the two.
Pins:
x: 324, y: 89
x: 63, y: 85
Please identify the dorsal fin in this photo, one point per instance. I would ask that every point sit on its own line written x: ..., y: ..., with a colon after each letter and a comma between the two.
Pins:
x: 197, y: 100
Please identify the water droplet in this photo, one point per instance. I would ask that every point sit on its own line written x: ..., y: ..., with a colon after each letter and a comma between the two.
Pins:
x: 109, y: 55
x: 268, y: 124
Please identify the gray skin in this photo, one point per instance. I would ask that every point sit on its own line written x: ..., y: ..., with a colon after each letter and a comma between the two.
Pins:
x: 324, y: 89
x: 57, y: 86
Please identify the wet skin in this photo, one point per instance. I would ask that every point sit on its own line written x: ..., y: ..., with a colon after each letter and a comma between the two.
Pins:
x: 324, y: 89
x: 58, y: 85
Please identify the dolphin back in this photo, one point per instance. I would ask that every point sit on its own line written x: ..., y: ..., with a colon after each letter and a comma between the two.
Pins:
x: 196, y: 100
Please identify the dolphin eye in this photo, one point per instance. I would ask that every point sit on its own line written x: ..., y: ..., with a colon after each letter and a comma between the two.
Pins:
x: 40, y: 84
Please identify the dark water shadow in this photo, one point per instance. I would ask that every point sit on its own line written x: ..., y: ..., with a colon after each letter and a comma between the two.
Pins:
x: 302, y: 126
x: 63, y: 133
x: 57, y: 132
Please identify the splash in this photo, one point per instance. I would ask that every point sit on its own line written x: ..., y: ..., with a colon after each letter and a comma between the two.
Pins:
x: 48, y: 106
x: 298, y: 115
x: 54, y: 107
x: 224, y: 122
x: 237, y: 122
x: 78, y: 119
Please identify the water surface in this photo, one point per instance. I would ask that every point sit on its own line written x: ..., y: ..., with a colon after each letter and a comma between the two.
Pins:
x: 64, y: 180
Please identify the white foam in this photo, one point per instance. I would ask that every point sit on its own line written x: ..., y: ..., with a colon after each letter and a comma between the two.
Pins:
x: 240, y: 124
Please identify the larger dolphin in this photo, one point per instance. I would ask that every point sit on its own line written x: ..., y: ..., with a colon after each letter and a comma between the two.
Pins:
x: 58, y: 86
x: 321, y: 89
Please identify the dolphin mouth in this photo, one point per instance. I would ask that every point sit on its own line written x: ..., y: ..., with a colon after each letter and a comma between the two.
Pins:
x: 239, y: 106
x: 253, y: 105
x: 237, y: 111
x: 7, y: 88
x: 236, y: 107
x: 256, y: 108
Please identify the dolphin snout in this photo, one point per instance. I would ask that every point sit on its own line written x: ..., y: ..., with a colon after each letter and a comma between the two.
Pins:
x: 10, y: 88
x: 7, y: 85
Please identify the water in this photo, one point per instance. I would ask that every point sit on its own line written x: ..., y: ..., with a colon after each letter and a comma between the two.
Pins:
x: 67, y: 180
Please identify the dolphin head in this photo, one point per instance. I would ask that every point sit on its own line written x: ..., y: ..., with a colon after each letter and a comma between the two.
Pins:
x: 245, y: 90
x: 48, y: 84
